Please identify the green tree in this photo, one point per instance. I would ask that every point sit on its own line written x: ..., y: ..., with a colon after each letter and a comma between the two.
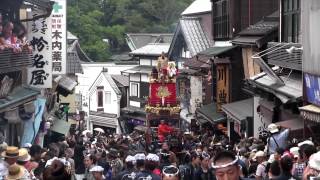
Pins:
x: 97, y: 20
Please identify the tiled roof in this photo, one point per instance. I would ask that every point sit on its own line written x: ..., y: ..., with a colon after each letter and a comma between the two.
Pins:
x: 209, y: 112
x: 259, y: 33
x: 73, y: 59
x: 195, y: 63
x: 17, y: 97
x: 198, y: 6
x: 261, y: 28
x: 239, y: 110
x: 121, y: 79
x: 216, y: 50
x: 291, y: 90
x: 194, y: 35
x: 121, y: 57
x: 138, y: 40
x: 139, y: 69
x: 152, y: 49
x: 112, y: 83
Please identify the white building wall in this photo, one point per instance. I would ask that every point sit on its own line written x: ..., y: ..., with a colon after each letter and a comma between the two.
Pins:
x: 111, y: 108
x: 196, y: 92
x: 144, y: 78
x: 259, y: 122
x: 135, y: 104
x: 90, y: 73
x: 154, y: 62
x: 135, y: 77
x: 146, y: 62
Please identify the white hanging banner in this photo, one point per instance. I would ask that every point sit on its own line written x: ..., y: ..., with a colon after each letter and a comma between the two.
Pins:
x: 59, y: 37
x: 40, y: 73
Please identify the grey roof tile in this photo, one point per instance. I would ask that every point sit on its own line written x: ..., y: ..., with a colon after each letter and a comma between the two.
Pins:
x: 121, y: 79
x: 194, y: 35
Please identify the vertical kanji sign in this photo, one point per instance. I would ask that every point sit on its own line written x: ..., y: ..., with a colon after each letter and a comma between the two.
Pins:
x: 59, y: 36
x: 222, y: 85
x: 40, y: 73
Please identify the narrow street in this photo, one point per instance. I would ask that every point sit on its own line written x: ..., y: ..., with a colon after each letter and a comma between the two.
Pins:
x: 159, y: 90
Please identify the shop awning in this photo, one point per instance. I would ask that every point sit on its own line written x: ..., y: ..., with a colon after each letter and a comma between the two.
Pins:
x: 290, y: 91
x: 61, y: 126
x: 18, y: 96
x: 216, y: 50
x: 104, y: 121
x: 310, y: 112
x: 209, y: 113
x: 292, y: 124
x: 43, y: 4
x: 141, y: 128
x: 258, y: 41
x: 239, y: 110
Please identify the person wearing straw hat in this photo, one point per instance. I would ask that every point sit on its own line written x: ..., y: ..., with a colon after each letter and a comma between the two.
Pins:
x: 3, y: 164
x: 11, y: 154
x: 15, y: 172
x: 23, y: 160
x: 24, y: 157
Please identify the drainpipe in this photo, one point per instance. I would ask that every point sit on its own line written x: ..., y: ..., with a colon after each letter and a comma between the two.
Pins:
x: 249, y: 12
x: 280, y: 21
x: 88, y: 119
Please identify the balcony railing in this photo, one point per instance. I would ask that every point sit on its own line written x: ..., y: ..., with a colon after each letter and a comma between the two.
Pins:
x: 10, y: 61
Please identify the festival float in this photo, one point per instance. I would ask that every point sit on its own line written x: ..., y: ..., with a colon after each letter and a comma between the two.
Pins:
x: 163, y: 107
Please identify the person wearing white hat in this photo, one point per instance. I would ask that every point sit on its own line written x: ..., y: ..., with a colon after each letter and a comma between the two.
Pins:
x: 153, y: 161
x: 129, y: 172
x: 308, y: 142
x: 140, y: 160
x: 150, y: 165
x: 313, y: 168
x: 277, y: 138
x: 298, y: 166
x: 97, y: 172
x: 261, y: 169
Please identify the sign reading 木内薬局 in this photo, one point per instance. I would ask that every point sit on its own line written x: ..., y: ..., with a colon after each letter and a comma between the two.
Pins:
x: 40, y: 73
x: 59, y: 36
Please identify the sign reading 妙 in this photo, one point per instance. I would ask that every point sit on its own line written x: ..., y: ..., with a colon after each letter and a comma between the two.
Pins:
x: 40, y: 73
x: 312, y: 88
x: 59, y: 36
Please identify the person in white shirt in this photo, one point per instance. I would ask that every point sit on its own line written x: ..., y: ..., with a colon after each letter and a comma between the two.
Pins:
x: 261, y: 169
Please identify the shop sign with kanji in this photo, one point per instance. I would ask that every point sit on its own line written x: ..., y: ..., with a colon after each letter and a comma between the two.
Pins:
x: 59, y: 36
x: 40, y: 73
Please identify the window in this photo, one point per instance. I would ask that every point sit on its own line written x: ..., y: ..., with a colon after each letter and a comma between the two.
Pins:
x: 290, y: 20
x: 134, y: 89
x: 100, y: 96
x: 108, y: 97
x: 220, y: 19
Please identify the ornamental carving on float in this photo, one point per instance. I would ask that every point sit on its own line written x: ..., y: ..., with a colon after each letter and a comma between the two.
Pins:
x: 163, y: 92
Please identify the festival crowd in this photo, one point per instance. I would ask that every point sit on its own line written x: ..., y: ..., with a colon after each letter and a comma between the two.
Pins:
x: 208, y: 155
